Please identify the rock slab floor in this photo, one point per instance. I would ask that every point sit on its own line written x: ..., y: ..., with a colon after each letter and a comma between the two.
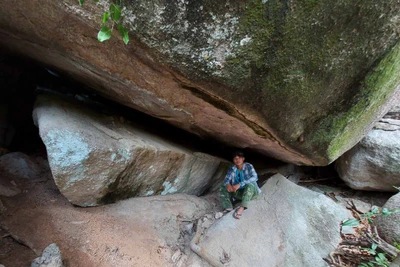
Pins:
x: 136, y: 232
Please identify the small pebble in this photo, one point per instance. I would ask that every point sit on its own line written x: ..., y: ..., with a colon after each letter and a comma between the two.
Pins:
x: 176, y: 256
x: 218, y: 215
x: 189, y: 227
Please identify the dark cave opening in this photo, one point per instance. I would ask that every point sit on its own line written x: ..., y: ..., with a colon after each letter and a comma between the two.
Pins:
x: 22, y: 79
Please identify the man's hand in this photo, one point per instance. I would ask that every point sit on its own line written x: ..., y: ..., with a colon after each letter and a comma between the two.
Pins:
x: 232, y: 188
x: 235, y: 187
x: 229, y: 188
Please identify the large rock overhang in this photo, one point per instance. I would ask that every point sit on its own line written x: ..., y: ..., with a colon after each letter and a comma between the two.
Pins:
x: 299, y: 81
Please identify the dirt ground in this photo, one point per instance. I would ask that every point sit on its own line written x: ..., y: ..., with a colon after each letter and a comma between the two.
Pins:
x: 136, y: 232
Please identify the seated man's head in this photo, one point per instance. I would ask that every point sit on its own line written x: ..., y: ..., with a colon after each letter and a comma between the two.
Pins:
x: 238, y: 159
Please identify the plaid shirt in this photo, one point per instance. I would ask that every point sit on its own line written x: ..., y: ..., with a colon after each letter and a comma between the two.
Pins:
x: 249, y: 175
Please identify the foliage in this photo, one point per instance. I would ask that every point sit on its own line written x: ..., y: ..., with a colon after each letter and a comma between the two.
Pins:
x: 386, y: 212
x: 372, y: 250
x: 370, y: 216
x: 380, y: 259
x: 396, y: 245
x: 350, y: 222
x: 111, y: 18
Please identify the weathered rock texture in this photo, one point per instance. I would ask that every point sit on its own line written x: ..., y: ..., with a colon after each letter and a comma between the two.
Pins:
x: 394, y: 111
x: 301, y: 80
x: 95, y: 158
x: 374, y: 163
x: 389, y: 226
x: 286, y: 226
x: 51, y: 258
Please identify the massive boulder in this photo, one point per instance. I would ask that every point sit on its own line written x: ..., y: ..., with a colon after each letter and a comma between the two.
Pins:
x: 374, y: 163
x: 301, y: 81
x: 95, y: 158
x: 389, y: 226
x: 286, y: 226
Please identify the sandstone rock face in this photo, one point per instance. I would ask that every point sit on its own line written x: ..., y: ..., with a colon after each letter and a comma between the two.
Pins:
x: 96, y: 159
x: 389, y: 226
x: 285, y: 79
x: 286, y: 226
x: 374, y: 163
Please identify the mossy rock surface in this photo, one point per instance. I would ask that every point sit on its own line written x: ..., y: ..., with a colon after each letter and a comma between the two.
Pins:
x: 302, y: 81
x: 318, y: 72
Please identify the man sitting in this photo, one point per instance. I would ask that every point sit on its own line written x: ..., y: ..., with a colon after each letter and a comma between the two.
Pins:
x: 240, y: 183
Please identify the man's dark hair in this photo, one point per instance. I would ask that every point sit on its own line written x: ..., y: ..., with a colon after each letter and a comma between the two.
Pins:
x: 238, y: 154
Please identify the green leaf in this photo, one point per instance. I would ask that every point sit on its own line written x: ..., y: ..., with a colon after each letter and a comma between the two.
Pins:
x: 375, y: 210
x: 381, y: 260
x: 81, y: 2
x: 105, y: 17
x: 382, y: 256
x: 115, y: 11
x: 104, y: 34
x: 374, y: 246
x: 124, y: 33
x: 350, y: 222
x: 96, y: 1
x: 368, y: 264
x: 385, y: 212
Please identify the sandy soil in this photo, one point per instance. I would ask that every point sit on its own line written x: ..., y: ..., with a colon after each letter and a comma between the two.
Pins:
x: 136, y: 232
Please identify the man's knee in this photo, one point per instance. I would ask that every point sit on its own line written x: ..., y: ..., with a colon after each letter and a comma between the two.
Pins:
x: 250, y: 186
x: 223, y: 191
x: 251, y: 190
x: 222, y: 188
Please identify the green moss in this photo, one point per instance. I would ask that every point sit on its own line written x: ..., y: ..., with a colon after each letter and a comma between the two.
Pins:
x: 342, y: 130
x: 300, y: 62
x: 259, y: 23
x: 305, y: 64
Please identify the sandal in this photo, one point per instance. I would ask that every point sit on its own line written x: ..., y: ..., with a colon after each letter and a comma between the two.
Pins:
x: 236, y: 214
x: 226, y: 211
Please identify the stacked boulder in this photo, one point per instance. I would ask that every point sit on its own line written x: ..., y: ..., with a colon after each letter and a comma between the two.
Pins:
x: 374, y: 163
x: 98, y: 159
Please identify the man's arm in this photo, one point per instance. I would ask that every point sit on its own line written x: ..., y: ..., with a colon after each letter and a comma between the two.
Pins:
x: 229, y: 176
x: 252, y: 177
